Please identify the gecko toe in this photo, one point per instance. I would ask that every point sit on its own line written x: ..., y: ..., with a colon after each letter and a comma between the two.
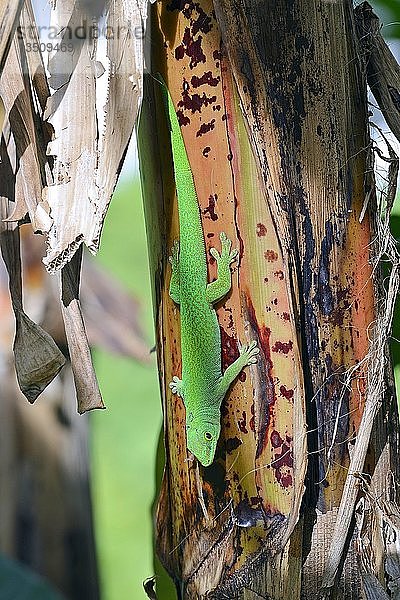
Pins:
x: 233, y: 256
x: 249, y: 353
x: 226, y: 244
x: 215, y: 254
x: 176, y: 386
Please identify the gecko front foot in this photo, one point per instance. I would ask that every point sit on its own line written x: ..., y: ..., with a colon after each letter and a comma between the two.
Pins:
x: 226, y: 257
x: 176, y: 386
x: 249, y: 354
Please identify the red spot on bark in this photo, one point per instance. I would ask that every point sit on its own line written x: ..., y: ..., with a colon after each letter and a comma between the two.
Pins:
x: 210, y: 235
x: 276, y: 440
x: 192, y: 48
x: 342, y: 306
x: 194, y: 102
x: 261, y: 230
x: 252, y: 423
x: 285, y: 316
x: 179, y: 52
x: 182, y: 118
x: 199, y: 19
x: 283, y: 347
x: 212, y: 200
x: 282, y: 465
x: 265, y: 335
x: 280, y: 275
x: 206, y: 79
x: 243, y: 423
x: 288, y: 394
x: 203, y: 22
x: 286, y: 480
x: 270, y: 255
x: 242, y: 376
x: 232, y: 444
x: 230, y: 350
x: 206, y: 151
x: 205, y: 128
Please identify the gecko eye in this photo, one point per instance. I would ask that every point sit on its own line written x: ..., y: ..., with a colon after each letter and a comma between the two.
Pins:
x: 208, y: 436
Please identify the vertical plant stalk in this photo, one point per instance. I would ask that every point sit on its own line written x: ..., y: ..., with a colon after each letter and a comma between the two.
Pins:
x: 257, y: 481
x: 287, y: 175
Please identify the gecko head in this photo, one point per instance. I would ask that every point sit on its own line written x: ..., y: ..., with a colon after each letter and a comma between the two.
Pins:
x: 202, y: 439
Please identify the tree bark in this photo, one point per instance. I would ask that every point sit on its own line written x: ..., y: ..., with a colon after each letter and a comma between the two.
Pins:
x: 272, y: 100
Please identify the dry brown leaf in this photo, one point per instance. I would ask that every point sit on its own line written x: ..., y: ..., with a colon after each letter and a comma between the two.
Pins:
x: 86, y: 385
x: 87, y: 163
x: 24, y: 162
x: 23, y: 176
x: 9, y: 14
x: 68, y: 201
x: 37, y: 358
x: 383, y: 70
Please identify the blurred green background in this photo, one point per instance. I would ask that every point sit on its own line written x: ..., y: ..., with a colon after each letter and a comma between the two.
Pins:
x: 389, y: 13
x: 124, y: 438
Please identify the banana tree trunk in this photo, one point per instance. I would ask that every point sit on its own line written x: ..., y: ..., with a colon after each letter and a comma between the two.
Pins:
x: 272, y: 102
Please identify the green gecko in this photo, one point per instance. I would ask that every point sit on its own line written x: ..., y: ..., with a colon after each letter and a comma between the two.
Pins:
x: 203, y: 385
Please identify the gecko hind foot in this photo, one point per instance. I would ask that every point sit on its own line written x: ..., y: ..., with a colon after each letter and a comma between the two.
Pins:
x: 227, y: 256
x: 176, y: 386
x: 249, y: 353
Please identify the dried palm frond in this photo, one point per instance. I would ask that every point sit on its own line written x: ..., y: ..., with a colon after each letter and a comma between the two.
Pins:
x: 87, y: 160
x: 59, y: 167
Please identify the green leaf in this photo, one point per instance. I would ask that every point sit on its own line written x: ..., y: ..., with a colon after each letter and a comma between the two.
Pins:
x: 389, y: 13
